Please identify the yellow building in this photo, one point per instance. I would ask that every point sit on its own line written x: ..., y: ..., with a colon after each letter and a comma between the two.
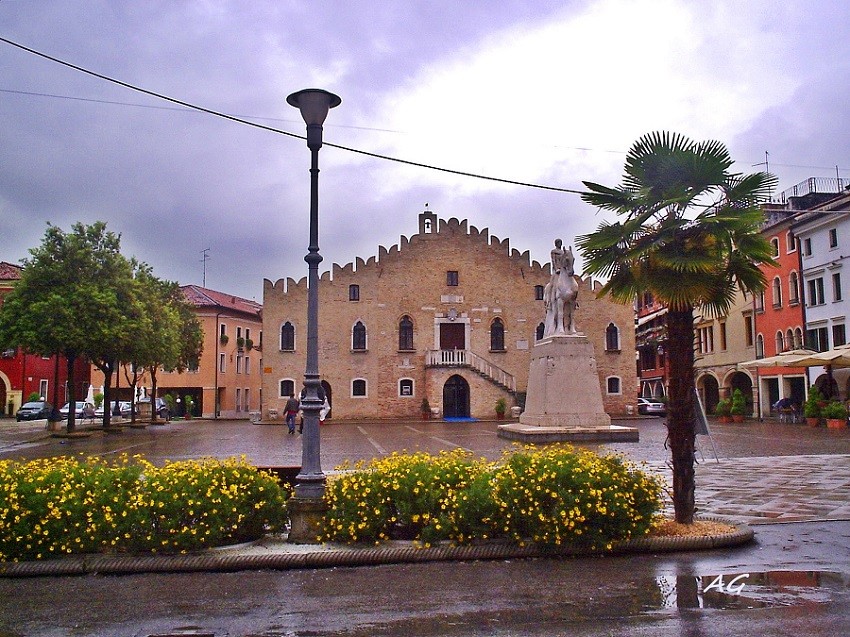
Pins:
x: 449, y: 315
x: 228, y: 380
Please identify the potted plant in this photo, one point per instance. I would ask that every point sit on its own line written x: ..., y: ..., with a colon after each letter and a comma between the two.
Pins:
x: 739, y: 406
x: 425, y: 409
x: 835, y: 414
x: 188, y: 405
x: 501, y: 408
x: 812, y: 407
x: 223, y: 339
x: 249, y: 344
x: 723, y: 410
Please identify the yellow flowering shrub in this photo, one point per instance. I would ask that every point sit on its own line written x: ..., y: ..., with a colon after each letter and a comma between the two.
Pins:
x: 550, y: 496
x: 560, y: 495
x: 75, y: 505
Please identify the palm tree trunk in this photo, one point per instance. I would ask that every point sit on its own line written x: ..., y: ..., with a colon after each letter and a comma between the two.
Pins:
x: 680, y: 410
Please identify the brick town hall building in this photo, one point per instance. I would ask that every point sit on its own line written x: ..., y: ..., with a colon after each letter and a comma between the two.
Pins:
x: 450, y: 314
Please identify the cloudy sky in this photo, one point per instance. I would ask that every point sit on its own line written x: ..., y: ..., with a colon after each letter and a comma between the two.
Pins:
x: 540, y: 91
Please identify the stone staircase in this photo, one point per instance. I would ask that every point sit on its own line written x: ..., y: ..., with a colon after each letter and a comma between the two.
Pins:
x: 470, y: 360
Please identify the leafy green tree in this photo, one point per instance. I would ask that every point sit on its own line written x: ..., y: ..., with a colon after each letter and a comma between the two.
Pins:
x: 690, y: 235
x: 170, y: 337
x: 70, y: 299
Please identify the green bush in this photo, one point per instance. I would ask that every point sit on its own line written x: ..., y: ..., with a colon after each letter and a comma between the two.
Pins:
x: 835, y: 410
x: 549, y: 496
x: 723, y: 407
x: 812, y: 406
x: 739, y: 403
x: 67, y: 505
x: 33, y: 397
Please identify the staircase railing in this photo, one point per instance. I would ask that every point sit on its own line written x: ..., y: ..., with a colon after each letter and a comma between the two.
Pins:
x: 467, y: 358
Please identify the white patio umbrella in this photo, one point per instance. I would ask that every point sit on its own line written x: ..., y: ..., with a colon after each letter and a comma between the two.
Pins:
x: 831, y: 359
x: 785, y: 359
x: 90, y: 394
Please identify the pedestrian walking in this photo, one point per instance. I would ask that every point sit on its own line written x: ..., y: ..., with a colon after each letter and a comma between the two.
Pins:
x: 291, y: 408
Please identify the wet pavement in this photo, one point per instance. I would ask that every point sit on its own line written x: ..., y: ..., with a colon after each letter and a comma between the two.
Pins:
x: 793, y: 579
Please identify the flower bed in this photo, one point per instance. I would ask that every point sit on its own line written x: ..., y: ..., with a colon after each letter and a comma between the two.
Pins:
x: 66, y: 505
x: 551, y: 496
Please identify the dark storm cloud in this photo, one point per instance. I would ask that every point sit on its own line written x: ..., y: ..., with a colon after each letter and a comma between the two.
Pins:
x: 174, y: 182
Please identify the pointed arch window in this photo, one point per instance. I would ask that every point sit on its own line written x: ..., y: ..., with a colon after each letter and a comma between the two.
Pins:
x: 287, y: 337
x: 405, y: 333
x: 497, y: 335
x: 612, y: 338
x: 358, y: 336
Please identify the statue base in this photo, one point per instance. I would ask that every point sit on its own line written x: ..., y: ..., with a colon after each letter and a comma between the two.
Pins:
x: 564, y: 400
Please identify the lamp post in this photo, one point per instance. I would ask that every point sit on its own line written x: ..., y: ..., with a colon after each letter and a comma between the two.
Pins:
x: 314, y: 105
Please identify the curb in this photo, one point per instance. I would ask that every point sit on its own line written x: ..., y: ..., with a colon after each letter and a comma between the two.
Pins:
x: 406, y: 553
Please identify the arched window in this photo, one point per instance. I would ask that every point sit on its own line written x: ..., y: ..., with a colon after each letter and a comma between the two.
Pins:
x: 538, y: 333
x: 497, y: 335
x: 793, y: 288
x: 612, y: 338
x: 789, y: 339
x: 538, y: 292
x: 287, y: 337
x: 358, y: 388
x: 780, y: 343
x: 777, y: 292
x: 405, y: 387
x: 759, y: 346
x: 358, y: 336
x: 405, y: 333
x: 798, y: 338
x: 287, y: 388
x: 774, y: 243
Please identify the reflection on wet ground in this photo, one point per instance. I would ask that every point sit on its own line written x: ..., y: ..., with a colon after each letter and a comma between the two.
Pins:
x: 748, y: 590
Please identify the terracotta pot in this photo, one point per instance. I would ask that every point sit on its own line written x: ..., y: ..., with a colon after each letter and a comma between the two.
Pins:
x: 836, y: 423
x: 812, y: 422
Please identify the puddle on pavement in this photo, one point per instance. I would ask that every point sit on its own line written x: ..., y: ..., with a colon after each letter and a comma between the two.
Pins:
x: 735, y: 591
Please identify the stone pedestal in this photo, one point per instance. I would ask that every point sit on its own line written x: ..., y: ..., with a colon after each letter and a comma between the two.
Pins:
x: 305, y: 519
x: 564, y: 399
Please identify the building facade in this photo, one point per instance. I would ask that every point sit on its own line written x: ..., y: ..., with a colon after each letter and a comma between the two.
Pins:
x: 823, y: 236
x: 228, y: 380
x: 449, y: 316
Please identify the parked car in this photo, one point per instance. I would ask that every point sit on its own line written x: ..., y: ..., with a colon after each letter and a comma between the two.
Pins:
x: 162, y: 409
x: 123, y: 407
x: 36, y: 410
x: 651, y: 407
x: 83, y: 409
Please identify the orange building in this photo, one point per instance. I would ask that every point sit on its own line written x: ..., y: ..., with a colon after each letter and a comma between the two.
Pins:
x: 228, y: 380
x: 779, y: 321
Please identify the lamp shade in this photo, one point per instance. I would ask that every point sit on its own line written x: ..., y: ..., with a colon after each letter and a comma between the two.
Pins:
x: 314, y: 104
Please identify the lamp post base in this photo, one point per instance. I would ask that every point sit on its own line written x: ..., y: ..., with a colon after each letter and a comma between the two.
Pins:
x: 305, y: 519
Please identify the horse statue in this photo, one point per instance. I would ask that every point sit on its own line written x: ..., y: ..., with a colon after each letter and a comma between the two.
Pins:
x: 560, y: 296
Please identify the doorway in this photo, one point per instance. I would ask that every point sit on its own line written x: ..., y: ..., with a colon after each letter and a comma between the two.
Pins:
x: 456, y: 398
x: 452, y: 336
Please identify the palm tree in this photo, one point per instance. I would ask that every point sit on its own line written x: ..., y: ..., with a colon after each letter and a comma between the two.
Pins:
x: 690, y: 235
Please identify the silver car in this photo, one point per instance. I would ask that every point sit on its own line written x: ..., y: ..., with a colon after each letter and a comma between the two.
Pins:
x: 651, y: 407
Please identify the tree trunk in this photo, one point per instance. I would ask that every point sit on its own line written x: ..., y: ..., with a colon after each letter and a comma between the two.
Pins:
x: 72, y: 395
x: 153, y: 394
x: 108, y: 368
x: 680, y: 410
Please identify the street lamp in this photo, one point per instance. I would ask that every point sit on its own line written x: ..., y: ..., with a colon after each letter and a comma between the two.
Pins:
x: 314, y: 105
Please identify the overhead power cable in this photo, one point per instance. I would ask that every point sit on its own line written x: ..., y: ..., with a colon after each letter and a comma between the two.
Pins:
x: 239, y: 120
